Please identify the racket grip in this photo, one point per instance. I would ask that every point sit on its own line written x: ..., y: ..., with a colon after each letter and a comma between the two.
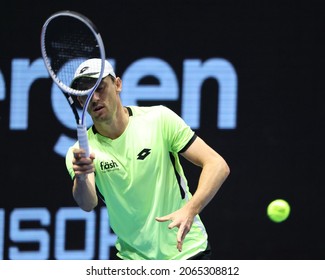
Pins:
x: 83, y: 138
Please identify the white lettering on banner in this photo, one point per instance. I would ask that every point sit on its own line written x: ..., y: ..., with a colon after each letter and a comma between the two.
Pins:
x: 24, y: 73
x: 40, y: 236
x: 62, y: 216
x: 167, y: 89
x: 195, y: 73
x: 25, y: 234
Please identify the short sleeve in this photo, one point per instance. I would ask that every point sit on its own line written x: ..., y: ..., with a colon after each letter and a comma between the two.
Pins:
x: 176, y: 132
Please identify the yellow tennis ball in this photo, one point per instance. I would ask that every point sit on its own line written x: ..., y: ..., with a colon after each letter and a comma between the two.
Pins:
x: 278, y: 210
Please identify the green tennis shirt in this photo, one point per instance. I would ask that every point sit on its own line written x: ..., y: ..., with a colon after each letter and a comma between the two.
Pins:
x: 140, y: 177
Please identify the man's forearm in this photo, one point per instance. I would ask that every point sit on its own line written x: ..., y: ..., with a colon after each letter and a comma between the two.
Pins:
x: 211, y: 179
x: 84, y: 192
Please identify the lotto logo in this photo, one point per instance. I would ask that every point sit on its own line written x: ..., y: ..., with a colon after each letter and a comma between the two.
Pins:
x: 143, y: 154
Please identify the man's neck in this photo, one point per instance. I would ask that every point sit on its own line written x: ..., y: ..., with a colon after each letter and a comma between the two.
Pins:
x: 115, y: 127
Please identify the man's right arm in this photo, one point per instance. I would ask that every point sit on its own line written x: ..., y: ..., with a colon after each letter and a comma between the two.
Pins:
x: 84, y: 188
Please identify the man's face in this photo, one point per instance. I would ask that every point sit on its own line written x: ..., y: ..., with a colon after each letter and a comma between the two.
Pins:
x: 103, y: 103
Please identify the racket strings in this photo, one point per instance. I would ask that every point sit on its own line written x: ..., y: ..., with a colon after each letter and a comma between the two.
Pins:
x: 68, y: 42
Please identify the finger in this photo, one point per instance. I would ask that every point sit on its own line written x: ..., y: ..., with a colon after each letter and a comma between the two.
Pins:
x: 83, y: 168
x: 92, y: 156
x: 79, y: 172
x: 180, y: 237
x: 172, y: 225
x: 83, y: 165
x: 78, y: 166
x: 82, y: 161
x: 180, y: 234
x: 163, y: 219
x: 179, y: 246
x: 79, y: 153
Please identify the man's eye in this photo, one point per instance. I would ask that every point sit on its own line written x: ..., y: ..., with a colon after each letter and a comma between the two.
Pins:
x: 84, y: 87
x: 100, y: 87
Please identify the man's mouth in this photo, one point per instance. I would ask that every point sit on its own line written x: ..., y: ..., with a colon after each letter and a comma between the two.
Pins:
x: 97, y: 108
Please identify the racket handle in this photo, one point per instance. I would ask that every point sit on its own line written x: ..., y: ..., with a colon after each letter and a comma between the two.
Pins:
x: 83, y: 138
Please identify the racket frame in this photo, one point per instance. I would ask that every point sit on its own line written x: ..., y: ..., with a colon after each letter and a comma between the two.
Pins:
x: 67, y: 90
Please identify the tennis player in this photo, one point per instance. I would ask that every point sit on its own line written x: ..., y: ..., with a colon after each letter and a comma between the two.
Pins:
x: 134, y: 166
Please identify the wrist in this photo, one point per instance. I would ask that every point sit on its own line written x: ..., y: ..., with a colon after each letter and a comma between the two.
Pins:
x: 193, y: 208
x: 81, y: 177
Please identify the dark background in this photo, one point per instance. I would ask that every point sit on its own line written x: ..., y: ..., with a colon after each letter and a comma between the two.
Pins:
x: 276, y: 150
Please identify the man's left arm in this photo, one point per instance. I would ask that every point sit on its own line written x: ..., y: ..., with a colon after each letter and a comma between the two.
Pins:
x: 214, y: 172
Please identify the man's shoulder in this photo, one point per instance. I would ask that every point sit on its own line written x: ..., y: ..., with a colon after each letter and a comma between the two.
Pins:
x: 144, y: 110
x: 150, y: 111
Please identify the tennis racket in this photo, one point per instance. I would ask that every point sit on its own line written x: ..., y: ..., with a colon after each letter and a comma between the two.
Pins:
x: 68, y: 41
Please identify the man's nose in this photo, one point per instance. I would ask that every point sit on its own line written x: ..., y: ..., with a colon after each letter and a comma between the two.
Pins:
x: 95, y: 96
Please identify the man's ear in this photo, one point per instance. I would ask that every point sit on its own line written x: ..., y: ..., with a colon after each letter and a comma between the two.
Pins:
x: 118, y: 84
